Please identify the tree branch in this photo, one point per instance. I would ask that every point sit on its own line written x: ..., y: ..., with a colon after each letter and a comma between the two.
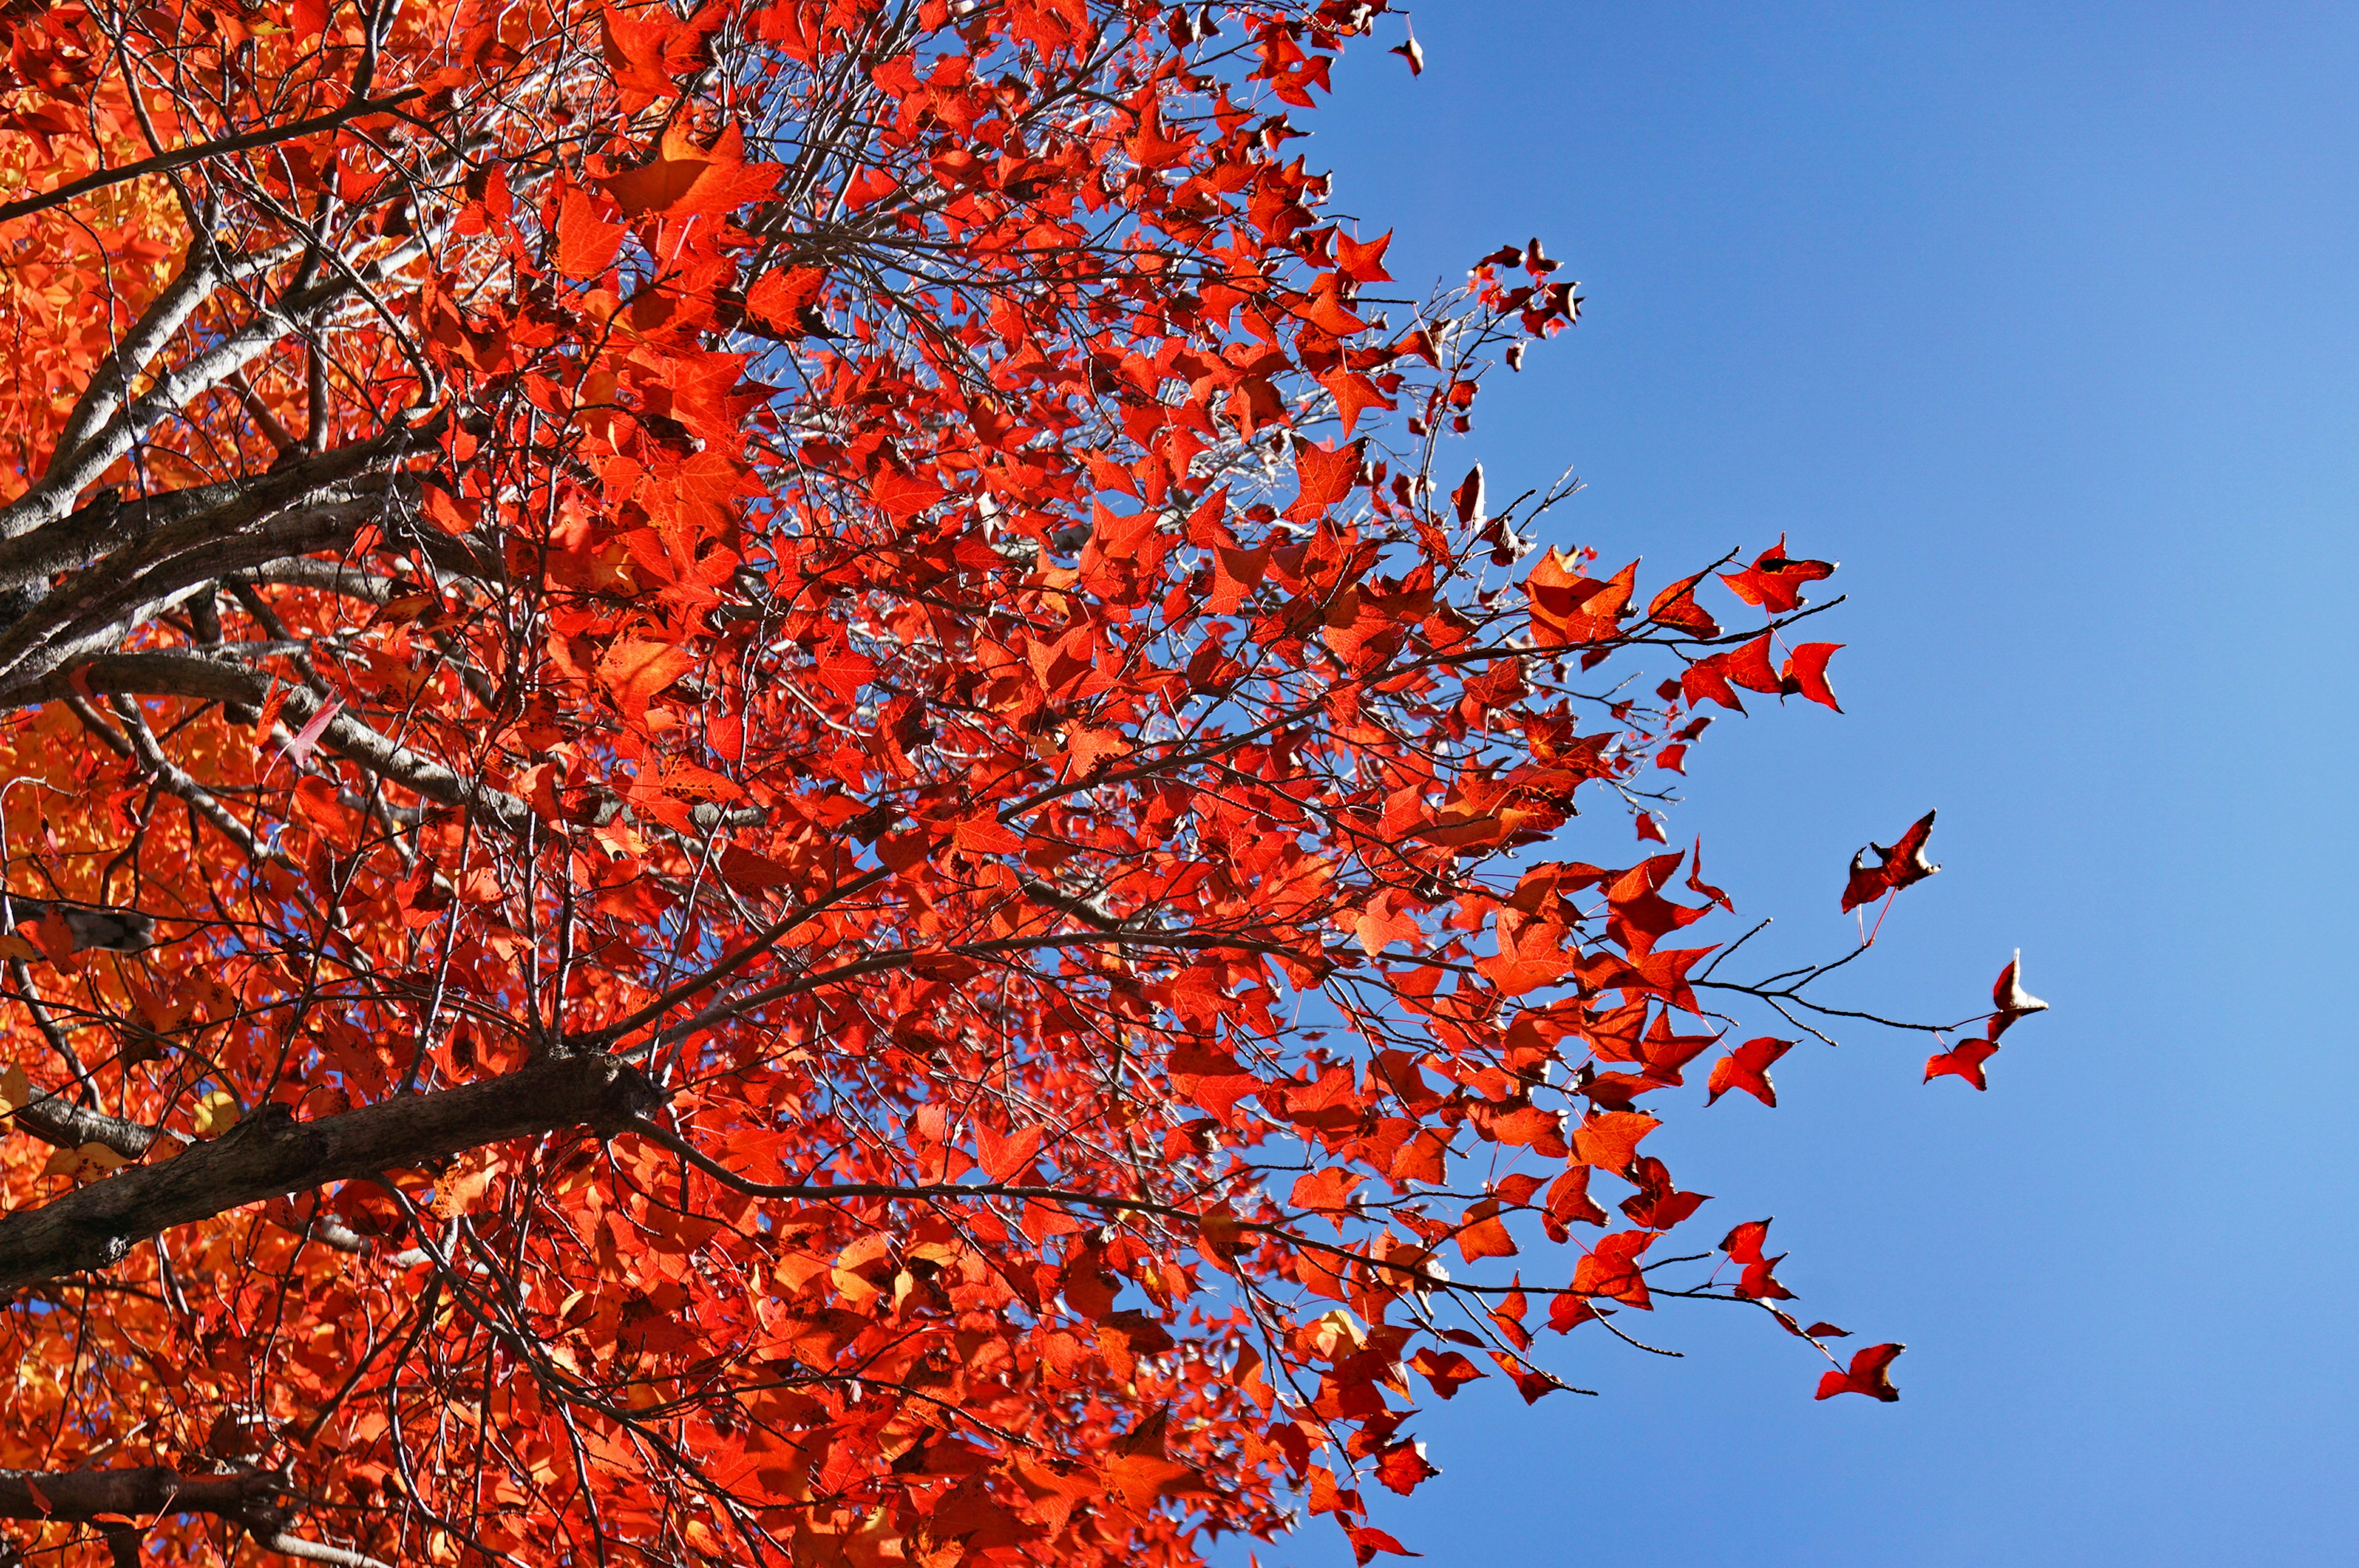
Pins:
x: 78, y: 1496
x: 205, y: 679
x: 270, y: 1154
x: 221, y: 147
x: 312, y: 1550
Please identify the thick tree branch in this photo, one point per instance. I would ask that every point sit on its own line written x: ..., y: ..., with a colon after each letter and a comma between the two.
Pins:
x: 62, y: 1124
x: 270, y: 1154
x: 80, y: 1495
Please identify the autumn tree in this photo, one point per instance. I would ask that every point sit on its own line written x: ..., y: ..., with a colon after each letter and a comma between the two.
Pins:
x: 769, y: 799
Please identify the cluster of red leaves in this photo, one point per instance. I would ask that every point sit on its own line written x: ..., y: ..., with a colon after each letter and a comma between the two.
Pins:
x: 844, y: 555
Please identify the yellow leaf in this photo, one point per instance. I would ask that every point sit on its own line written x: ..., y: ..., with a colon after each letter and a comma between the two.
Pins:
x: 217, y: 1112
x: 15, y: 1090
x: 92, y: 1160
x: 15, y: 946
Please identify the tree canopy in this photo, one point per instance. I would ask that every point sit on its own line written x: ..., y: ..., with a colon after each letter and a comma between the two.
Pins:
x: 769, y: 799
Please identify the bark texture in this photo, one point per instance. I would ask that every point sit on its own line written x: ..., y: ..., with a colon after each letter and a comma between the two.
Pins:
x: 270, y: 1154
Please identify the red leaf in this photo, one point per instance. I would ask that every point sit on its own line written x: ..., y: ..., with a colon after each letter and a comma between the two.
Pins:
x: 1864, y: 884
x: 1483, y: 1236
x: 1467, y: 498
x: 1326, y: 1190
x: 985, y: 836
x: 1897, y: 866
x: 787, y: 298
x: 635, y: 671
x: 1323, y: 476
x: 1447, y: 1370
x: 1806, y: 673
x: 1869, y: 1373
x: 1963, y: 1060
x: 1775, y: 583
x: 1611, y: 1268
x: 586, y: 242
x: 1709, y: 678
x: 1905, y: 864
x: 1744, y: 1247
x: 1747, y: 1068
x: 1610, y: 1141
x: 1366, y: 1542
x: 1004, y: 1159
x: 1567, y: 1311
x: 1676, y: 607
x: 683, y: 179
x: 749, y: 871
x: 307, y: 740
x: 1403, y: 1467
x: 1363, y: 261
x: 1743, y: 1244
x: 902, y: 496
x: 1749, y: 667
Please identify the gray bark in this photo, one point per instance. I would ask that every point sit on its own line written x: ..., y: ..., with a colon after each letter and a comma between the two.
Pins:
x: 270, y: 1155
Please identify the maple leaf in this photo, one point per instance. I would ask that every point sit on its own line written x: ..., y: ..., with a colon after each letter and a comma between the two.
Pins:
x: 1364, y: 260
x: 1963, y: 1060
x: 1904, y: 862
x: 1901, y: 865
x: 1805, y: 673
x: 682, y: 180
x: 1611, y: 1268
x: 1609, y: 1140
x: 1367, y: 1541
x: 1447, y: 1370
x: 1384, y: 922
x: 1569, y: 1200
x: 305, y: 743
x: 1141, y: 1479
x: 1402, y: 1467
x: 1747, y: 1068
x: 1775, y: 582
x: 1326, y: 1190
x: 1467, y: 500
x: 1657, y: 1205
x: 635, y: 671
x: 586, y: 243
x: 903, y: 496
x: 1869, y: 1373
x: 1482, y: 1235
x: 1743, y: 1246
x: 753, y: 871
x: 1676, y: 607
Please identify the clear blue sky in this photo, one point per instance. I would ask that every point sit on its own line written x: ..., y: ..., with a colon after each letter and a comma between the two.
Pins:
x: 2044, y: 320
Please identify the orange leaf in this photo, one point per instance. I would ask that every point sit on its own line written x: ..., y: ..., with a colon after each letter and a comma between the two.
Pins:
x: 1609, y: 1140
x: 1611, y: 1268
x: 635, y: 671
x: 586, y: 242
x: 1483, y: 1236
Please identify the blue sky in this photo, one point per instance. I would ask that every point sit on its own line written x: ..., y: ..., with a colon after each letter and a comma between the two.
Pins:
x: 2044, y: 320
